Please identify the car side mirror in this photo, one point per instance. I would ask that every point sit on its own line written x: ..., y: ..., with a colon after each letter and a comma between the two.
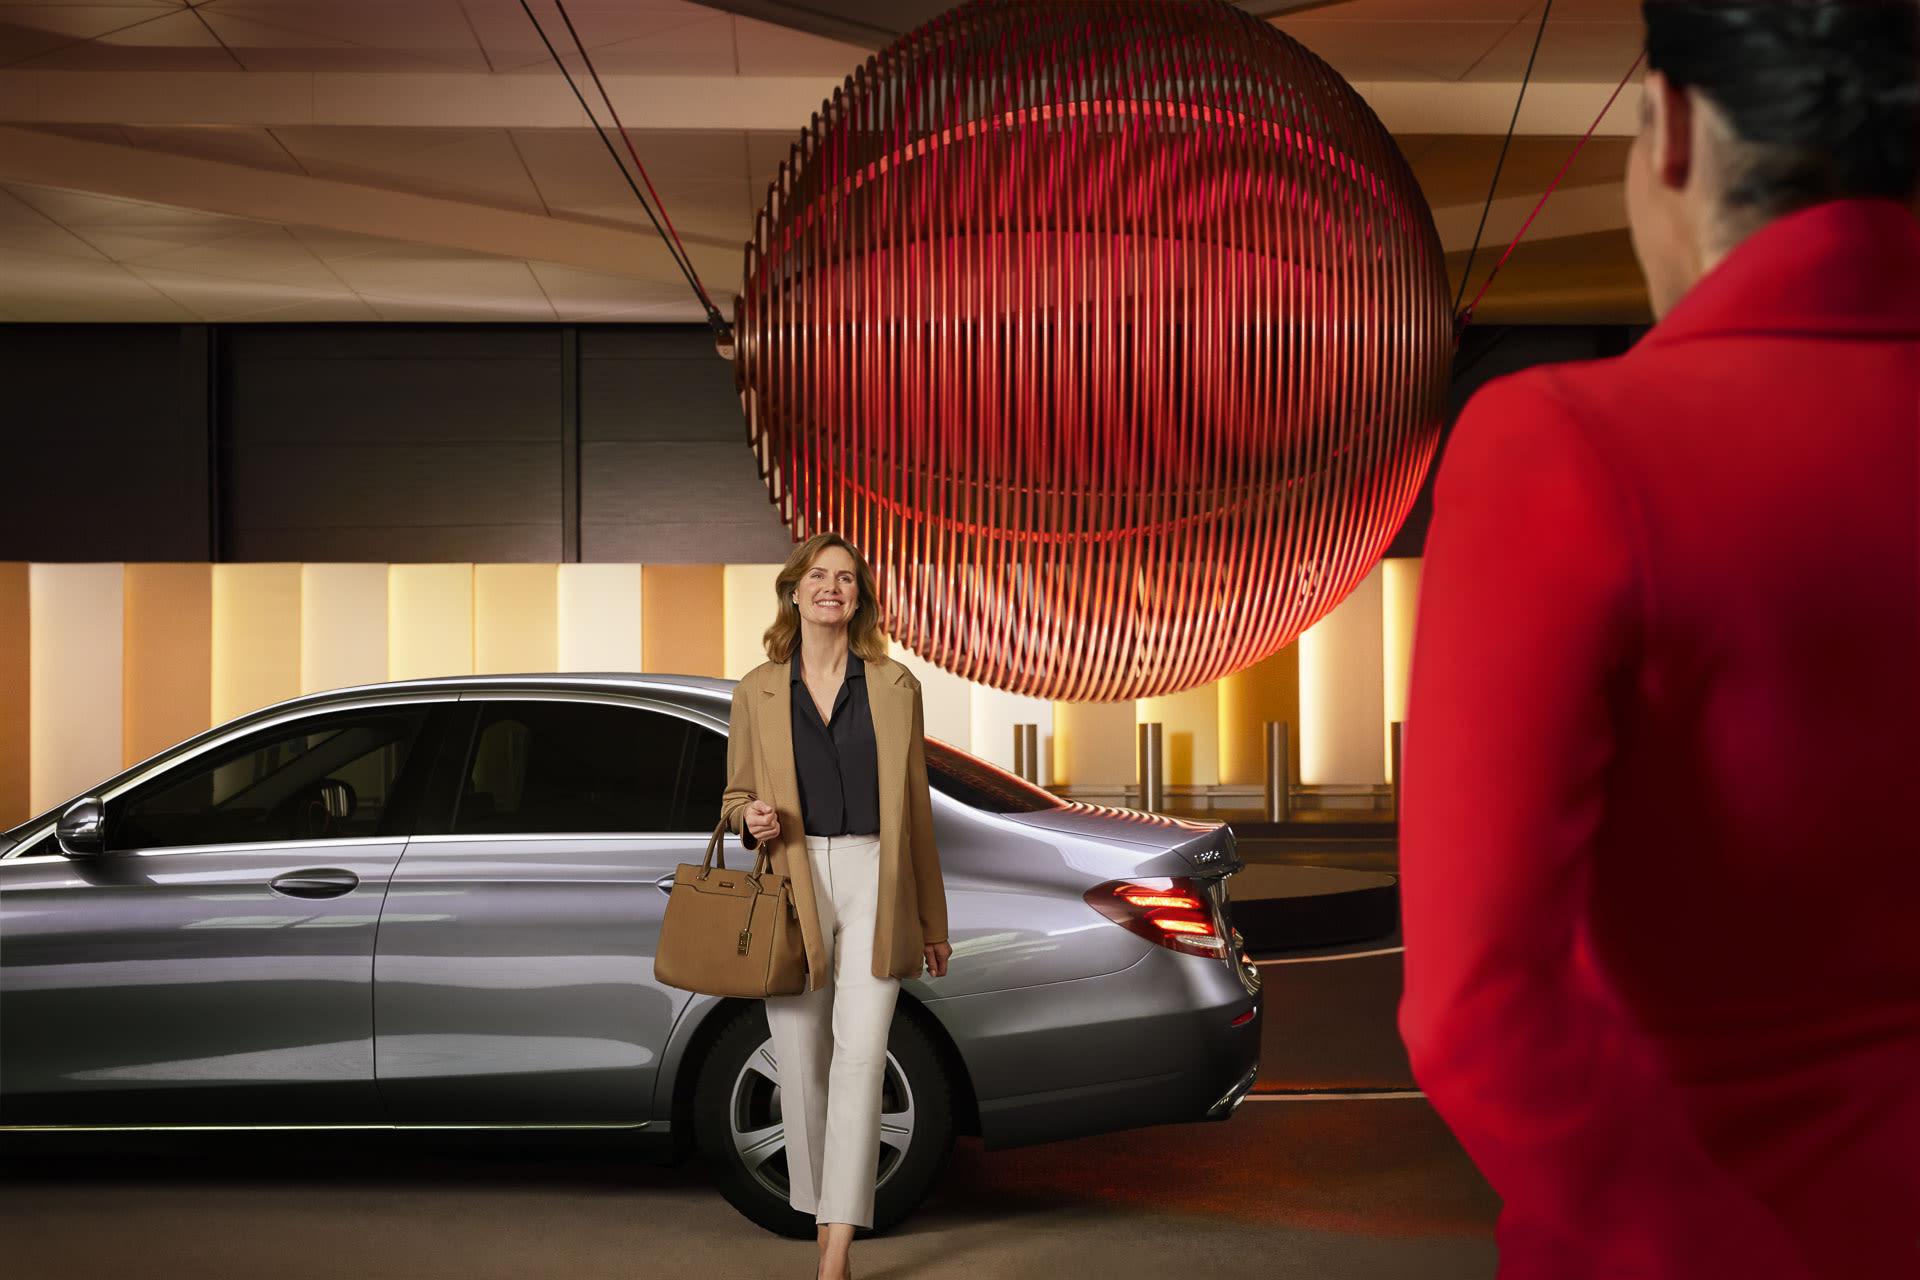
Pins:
x: 82, y: 831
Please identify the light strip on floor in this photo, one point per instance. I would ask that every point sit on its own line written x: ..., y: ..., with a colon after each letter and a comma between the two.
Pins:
x: 389, y: 1126
x: 1384, y: 1095
x: 1344, y: 955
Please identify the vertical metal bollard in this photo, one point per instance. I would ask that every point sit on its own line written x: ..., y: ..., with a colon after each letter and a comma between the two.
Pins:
x: 1279, y: 775
x: 1026, y: 752
x: 1397, y: 725
x: 1153, y: 790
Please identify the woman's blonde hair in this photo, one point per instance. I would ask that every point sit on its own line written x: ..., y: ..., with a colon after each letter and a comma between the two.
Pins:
x: 782, y: 639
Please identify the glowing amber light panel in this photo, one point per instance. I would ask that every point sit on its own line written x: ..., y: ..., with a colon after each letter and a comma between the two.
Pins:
x: 1114, y: 333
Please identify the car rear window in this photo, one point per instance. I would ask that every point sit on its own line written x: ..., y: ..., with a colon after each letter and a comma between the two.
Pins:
x: 973, y: 781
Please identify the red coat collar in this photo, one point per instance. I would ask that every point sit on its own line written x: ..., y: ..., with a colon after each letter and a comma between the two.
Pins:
x: 1847, y: 267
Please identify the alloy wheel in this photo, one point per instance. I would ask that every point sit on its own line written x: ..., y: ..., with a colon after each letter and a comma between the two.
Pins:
x: 755, y: 1119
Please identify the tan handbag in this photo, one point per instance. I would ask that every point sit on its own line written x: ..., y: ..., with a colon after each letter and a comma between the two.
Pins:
x: 731, y: 933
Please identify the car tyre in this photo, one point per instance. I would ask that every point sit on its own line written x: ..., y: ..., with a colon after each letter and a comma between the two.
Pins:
x: 736, y: 1122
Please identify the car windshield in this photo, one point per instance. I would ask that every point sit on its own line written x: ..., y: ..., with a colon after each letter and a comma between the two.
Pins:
x: 973, y: 781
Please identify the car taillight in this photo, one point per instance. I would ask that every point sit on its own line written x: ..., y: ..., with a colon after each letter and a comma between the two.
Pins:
x: 1175, y: 913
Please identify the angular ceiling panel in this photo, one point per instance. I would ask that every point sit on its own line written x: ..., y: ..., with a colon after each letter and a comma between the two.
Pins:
x: 331, y: 121
x: 426, y: 32
x: 51, y: 288
x: 511, y: 44
x: 1452, y: 169
x: 30, y: 31
x: 666, y: 46
x: 260, y: 256
x: 233, y: 144
x: 768, y: 50
x: 1363, y: 51
x: 221, y: 298
x: 1576, y: 52
x: 481, y: 165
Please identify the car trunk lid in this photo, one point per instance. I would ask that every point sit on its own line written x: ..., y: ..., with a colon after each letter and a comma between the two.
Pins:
x: 1208, y: 847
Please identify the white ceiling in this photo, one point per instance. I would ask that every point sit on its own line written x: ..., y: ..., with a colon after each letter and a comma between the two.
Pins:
x: 422, y: 160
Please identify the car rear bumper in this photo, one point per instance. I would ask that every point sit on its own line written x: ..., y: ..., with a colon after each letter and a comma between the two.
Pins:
x: 1151, y: 1044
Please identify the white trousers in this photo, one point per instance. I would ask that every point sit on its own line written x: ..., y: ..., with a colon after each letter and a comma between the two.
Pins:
x: 831, y: 1044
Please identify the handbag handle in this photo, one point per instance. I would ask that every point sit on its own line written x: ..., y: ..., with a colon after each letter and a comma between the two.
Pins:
x: 716, y: 852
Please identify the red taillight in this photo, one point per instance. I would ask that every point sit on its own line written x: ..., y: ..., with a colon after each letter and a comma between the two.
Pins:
x: 1172, y: 912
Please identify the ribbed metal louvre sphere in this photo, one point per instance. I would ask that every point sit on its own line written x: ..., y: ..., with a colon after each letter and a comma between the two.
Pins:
x: 1115, y: 334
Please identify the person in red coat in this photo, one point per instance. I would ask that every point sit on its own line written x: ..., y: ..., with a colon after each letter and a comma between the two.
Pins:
x: 1661, y: 874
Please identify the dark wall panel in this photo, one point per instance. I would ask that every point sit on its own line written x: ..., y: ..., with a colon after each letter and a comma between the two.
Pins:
x: 433, y: 443
x: 666, y: 474
x: 353, y: 443
x: 103, y: 429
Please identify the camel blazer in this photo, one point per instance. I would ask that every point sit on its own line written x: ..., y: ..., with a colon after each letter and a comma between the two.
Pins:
x: 912, y: 907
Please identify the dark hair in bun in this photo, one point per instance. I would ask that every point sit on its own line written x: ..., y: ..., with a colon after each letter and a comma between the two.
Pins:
x: 1826, y: 93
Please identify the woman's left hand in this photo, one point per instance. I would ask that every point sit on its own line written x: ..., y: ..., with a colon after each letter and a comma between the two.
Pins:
x: 937, y: 953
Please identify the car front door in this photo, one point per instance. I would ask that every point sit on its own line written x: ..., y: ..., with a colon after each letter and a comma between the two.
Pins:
x: 514, y: 983
x: 213, y: 966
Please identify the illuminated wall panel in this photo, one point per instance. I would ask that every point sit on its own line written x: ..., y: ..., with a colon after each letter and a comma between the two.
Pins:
x: 946, y: 700
x: 75, y: 658
x: 1189, y: 734
x: 515, y: 618
x: 1267, y: 690
x: 16, y: 701
x: 996, y: 713
x: 429, y: 620
x: 598, y: 617
x: 343, y: 625
x: 685, y: 607
x: 750, y: 607
x: 1400, y: 602
x: 1093, y: 743
x: 256, y: 636
x: 167, y: 667
x: 1341, y: 701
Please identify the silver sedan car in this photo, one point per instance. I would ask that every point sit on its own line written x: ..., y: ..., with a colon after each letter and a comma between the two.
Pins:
x: 434, y: 904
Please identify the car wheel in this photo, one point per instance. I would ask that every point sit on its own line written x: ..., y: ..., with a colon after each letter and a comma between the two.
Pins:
x: 737, y: 1124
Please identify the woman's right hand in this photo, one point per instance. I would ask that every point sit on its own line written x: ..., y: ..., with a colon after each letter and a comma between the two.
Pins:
x: 762, y: 822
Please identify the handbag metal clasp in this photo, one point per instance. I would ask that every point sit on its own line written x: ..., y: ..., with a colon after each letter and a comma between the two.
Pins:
x: 746, y: 939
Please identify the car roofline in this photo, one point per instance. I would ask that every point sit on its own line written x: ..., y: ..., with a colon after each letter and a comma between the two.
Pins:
x: 626, y: 682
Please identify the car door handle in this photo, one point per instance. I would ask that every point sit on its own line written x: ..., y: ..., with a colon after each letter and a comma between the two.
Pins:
x: 665, y: 883
x: 321, y: 883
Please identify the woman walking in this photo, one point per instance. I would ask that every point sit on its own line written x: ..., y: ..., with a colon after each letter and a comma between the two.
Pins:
x: 826, y: 763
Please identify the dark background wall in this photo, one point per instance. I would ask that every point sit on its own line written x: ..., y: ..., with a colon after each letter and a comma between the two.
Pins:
x: 103, y: 437
x: 492, y: 443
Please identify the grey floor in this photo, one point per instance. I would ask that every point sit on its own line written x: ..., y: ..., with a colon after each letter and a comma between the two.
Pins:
x: 1321, y: 1189
x: 1292, y: 1185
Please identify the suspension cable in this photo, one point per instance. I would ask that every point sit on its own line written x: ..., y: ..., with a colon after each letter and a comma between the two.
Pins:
x: 1501, y: 163
x: 1466, y: 317
x: 715, y: 320
x: 628, y: 140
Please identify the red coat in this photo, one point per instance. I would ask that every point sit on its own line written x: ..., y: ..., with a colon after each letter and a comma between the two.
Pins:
x: 1661, y: 872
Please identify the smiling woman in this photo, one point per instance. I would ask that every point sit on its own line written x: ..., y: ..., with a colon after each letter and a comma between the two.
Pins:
x: 827, y: 768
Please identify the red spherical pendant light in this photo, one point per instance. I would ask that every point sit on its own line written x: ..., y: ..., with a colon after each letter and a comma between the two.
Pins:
x: 1115, y: 335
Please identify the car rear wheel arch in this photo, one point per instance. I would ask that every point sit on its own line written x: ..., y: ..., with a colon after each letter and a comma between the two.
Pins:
x: 707, y: 1099
x: 966, y: 1106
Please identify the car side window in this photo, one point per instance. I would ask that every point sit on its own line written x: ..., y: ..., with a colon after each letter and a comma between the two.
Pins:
x: 706, y: 779
x: 46, y: 846
x: 331, y: 777
x: 570, y: 768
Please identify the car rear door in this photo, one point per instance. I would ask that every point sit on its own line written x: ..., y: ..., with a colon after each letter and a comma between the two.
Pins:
x: 214, y: 966
x: 514, y: 983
